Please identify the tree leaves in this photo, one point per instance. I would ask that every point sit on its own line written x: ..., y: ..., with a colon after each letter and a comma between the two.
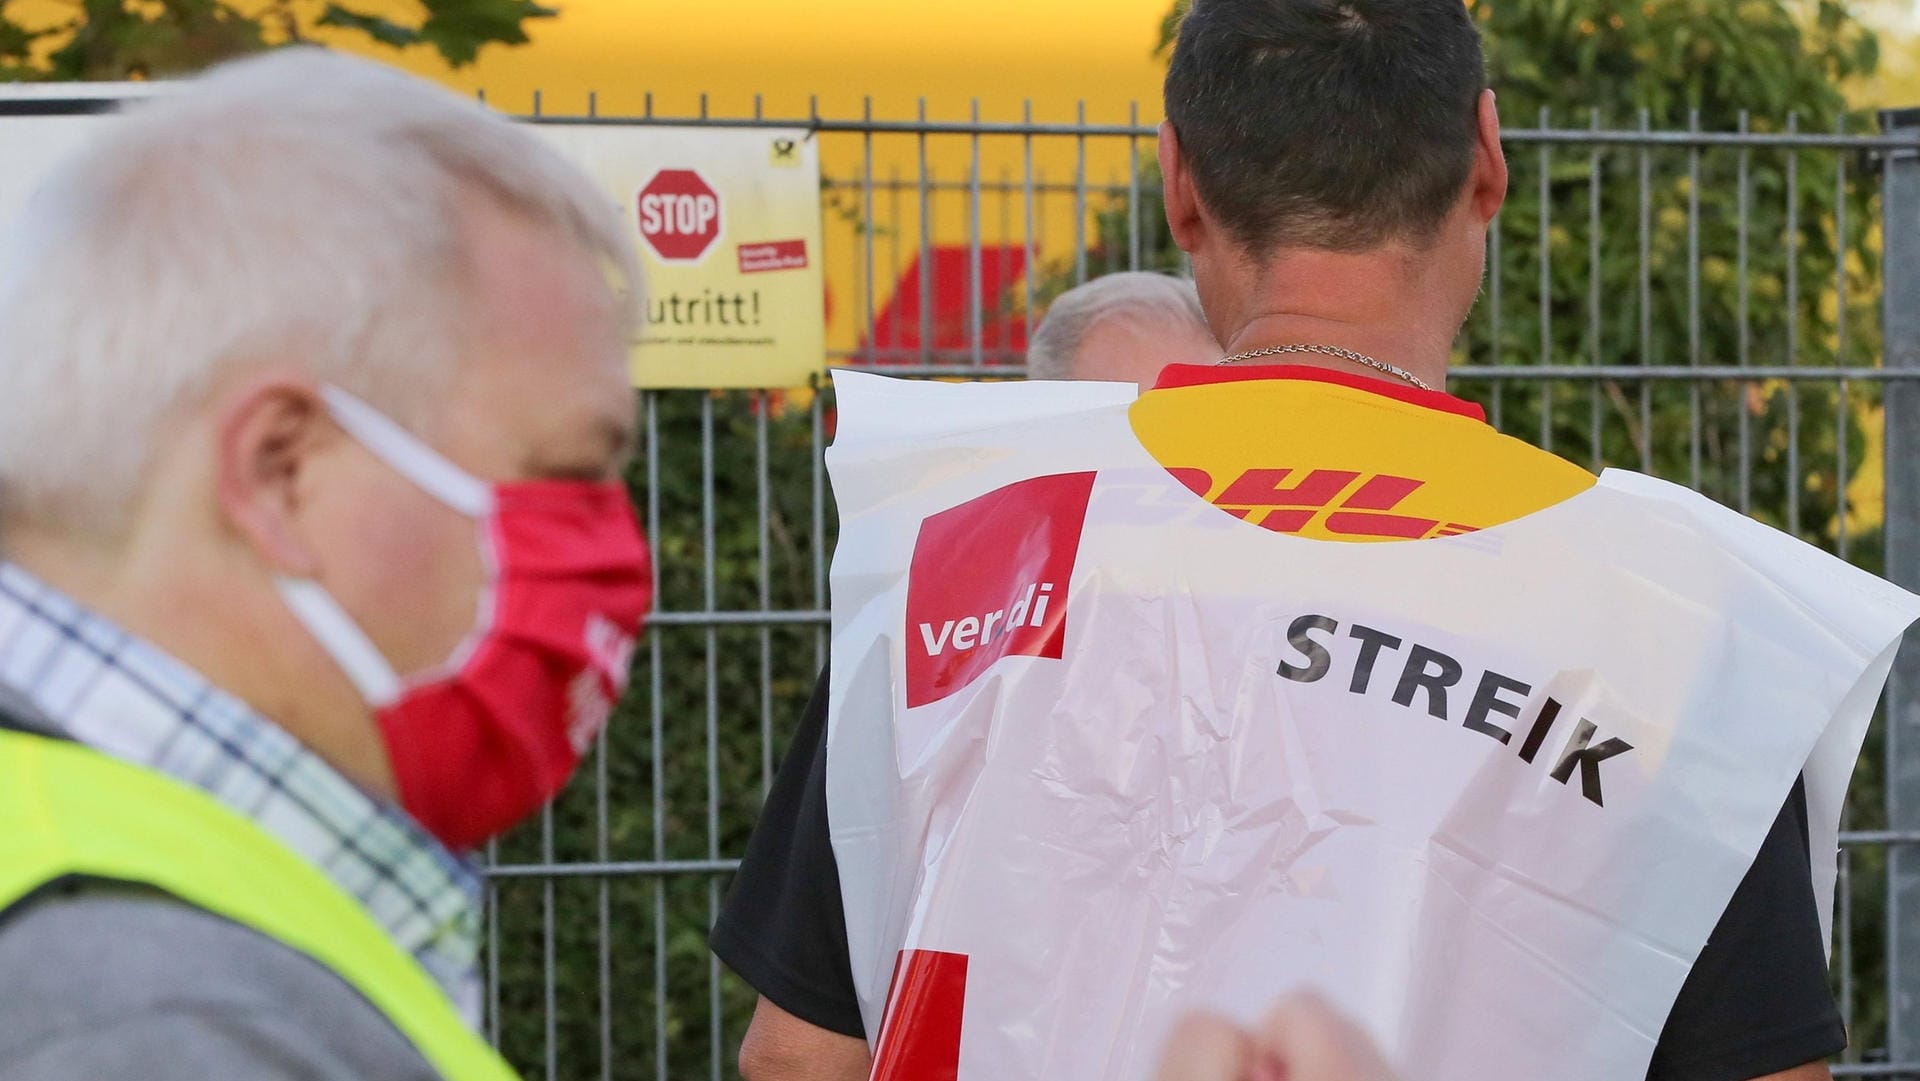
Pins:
x: 384, y: 31
x: 15, y: 43
x: 458, y: 28
x: 1170, y: 27
x: 110, y: 39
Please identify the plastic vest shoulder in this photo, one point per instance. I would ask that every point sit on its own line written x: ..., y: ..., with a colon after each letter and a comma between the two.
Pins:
x: 1099, y: 752
x: 66, y: 810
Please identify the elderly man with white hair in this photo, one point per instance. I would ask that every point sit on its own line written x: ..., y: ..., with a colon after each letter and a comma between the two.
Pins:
x: 1122, y: 328
x: 315, y: 568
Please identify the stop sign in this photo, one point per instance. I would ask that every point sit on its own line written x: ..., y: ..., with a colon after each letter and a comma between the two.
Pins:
x: 679, y: 215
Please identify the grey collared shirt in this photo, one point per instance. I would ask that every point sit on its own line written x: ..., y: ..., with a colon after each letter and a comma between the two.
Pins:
x: 104, y: 982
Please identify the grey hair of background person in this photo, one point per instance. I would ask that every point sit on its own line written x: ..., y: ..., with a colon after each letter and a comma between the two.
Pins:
x: 1141, y: 298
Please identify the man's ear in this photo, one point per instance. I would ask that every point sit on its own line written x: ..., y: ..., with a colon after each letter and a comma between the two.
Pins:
x: 265, y: 436
x: 1489, y: 183
x: 1184, y: 221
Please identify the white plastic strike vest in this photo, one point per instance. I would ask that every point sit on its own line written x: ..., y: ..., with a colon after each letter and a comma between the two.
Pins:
x: 1100, y: 753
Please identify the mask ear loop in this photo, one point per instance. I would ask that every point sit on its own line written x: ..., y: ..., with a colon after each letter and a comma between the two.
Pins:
x: 407, y: 455
x: 343, y: 639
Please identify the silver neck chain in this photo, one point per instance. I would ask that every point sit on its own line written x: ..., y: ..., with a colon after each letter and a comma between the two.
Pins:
x: 1335, y: 351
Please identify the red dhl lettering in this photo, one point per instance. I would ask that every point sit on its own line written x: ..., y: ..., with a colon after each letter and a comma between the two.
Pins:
x: 1348, y: 503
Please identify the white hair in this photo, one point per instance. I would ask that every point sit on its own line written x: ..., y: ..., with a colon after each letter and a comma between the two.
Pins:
x: 299, y: 208
x: 1140, y: 298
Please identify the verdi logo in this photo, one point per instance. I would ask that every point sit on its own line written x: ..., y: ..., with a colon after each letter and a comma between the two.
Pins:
x: 989, y: 580
x: 978, y: 630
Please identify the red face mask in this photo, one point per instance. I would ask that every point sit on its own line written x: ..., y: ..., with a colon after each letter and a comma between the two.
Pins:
x: 493, y: 734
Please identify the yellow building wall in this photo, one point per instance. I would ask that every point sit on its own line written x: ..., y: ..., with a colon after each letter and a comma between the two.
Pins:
x: 1006, y: 56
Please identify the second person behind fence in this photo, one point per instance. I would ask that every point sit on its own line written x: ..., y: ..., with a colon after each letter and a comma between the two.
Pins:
x: 782, y: 928
x: 1122, y: 327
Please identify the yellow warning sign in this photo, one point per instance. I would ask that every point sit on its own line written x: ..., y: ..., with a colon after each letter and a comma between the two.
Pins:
x: 728, y: 227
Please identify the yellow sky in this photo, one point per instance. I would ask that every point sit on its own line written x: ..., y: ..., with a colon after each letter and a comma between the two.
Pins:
x: 1003, y: 52
x: 1055, y: 52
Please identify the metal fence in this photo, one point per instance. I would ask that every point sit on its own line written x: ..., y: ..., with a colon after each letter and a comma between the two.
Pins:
x: 1701, y: 305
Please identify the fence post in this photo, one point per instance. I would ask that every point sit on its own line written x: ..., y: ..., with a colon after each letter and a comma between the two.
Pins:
x: 1901, y: 319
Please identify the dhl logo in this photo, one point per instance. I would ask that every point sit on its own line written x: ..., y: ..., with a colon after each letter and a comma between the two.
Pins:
x: 1332, y: 502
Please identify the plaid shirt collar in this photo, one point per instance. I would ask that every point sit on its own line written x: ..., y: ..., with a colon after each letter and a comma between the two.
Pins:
x: 121, y: 695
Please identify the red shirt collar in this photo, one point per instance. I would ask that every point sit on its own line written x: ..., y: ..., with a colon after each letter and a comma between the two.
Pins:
x: 1197, y: 375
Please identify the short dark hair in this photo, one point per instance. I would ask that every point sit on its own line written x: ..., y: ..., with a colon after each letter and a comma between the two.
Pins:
x: 1329, y: 124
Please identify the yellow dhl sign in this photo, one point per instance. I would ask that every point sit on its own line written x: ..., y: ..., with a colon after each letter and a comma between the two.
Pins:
x: 946, y: 232
x: 1055, y: 62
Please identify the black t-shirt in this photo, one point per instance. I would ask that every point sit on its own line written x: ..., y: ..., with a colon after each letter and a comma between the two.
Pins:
x: 1756, y: 1003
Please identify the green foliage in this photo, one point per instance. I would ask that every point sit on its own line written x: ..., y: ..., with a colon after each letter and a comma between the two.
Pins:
x: 1664, y: 257
x: 141, y: 39
x: 1768, y: 56
x: 457, y: 28
x: 15, y: 44
x: 384, y: 31
x: 108, y: 40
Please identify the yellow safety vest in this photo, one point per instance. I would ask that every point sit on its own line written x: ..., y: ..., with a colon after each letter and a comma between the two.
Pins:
x: 67, y: 811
